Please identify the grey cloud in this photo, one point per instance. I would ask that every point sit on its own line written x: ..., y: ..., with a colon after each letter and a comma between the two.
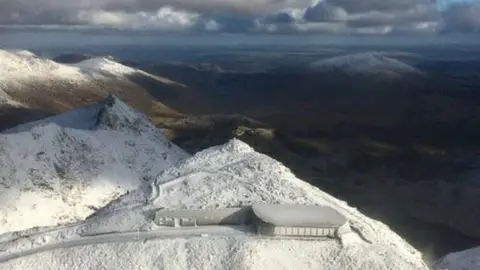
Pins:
x: 325, y: 12
x: 23, y: 12
x: 200, y: 6
x: 279, y: 18
x: 398, y: 18
x: 373, y: 19
x: 234, y: 24
x: 417, y: 28
x: 360, y: 6
x: 36, y: 11
x: 301, y: 28
x: 462, y: 17
x: 293, y: 16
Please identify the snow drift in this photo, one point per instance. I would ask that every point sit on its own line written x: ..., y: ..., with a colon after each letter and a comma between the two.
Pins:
x: 364, y: 63
x: 229, y: 175
x: 62, y: 168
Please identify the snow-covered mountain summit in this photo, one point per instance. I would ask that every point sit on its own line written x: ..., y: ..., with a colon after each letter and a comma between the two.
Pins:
x: 364, y: 63
x: 62, y: 168
x: 110, y: 114
x: 229, y: 175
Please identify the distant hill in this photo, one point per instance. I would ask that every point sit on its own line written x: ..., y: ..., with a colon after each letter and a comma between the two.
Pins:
x: 34, y: 84
x: 72, y: 58
x: 367, y: 63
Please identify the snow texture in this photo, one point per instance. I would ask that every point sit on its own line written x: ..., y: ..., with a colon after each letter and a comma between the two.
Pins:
x: 22, y: 52
x: 463, y: 260
x: 230, y: 175
x: 18, y: 67
x: 364, y: 63
x: 63, y: 168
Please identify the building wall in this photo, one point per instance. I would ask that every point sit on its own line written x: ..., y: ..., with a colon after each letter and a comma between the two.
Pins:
x: 207, y: 217
x: 270, y: 230
x: 298, y: 231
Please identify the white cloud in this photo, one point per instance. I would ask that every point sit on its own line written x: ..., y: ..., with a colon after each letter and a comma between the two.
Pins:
x: 100, y: 17
x: 166, y: 18
x: 373, y: 30
x: 212, y: 25
x: 325, y: 12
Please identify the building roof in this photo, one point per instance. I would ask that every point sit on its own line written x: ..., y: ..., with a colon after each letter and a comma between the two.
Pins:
x: 296, y: 215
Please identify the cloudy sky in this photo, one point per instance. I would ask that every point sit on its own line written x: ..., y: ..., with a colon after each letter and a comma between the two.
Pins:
x: 241, y: 16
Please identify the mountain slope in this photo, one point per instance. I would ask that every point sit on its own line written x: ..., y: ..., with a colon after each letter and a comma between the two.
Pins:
x: 465, y: 260
x: 229, y: 175
x: 62, y: 168
x: 31, y: 82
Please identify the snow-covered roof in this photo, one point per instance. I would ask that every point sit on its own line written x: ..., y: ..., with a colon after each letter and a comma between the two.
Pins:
x: 296, y: 215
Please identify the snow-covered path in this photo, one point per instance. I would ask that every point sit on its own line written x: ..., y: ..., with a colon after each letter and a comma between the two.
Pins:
x: 132, y: 236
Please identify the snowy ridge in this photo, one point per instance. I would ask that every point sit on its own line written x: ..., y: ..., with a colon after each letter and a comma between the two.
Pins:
x: 28, y: 81
x: 23, y: 65
x: 62, y: 168
x: 15, y: 66
x: 229, y: 175
x: 102, y: 64
x: 364, y: 63
x: 111, y: 114
x: 22, y: 52
x: 117, y: 115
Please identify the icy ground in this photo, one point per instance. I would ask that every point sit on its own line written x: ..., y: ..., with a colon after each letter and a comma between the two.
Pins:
x: 63, y: 168
x: 229, y: 175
